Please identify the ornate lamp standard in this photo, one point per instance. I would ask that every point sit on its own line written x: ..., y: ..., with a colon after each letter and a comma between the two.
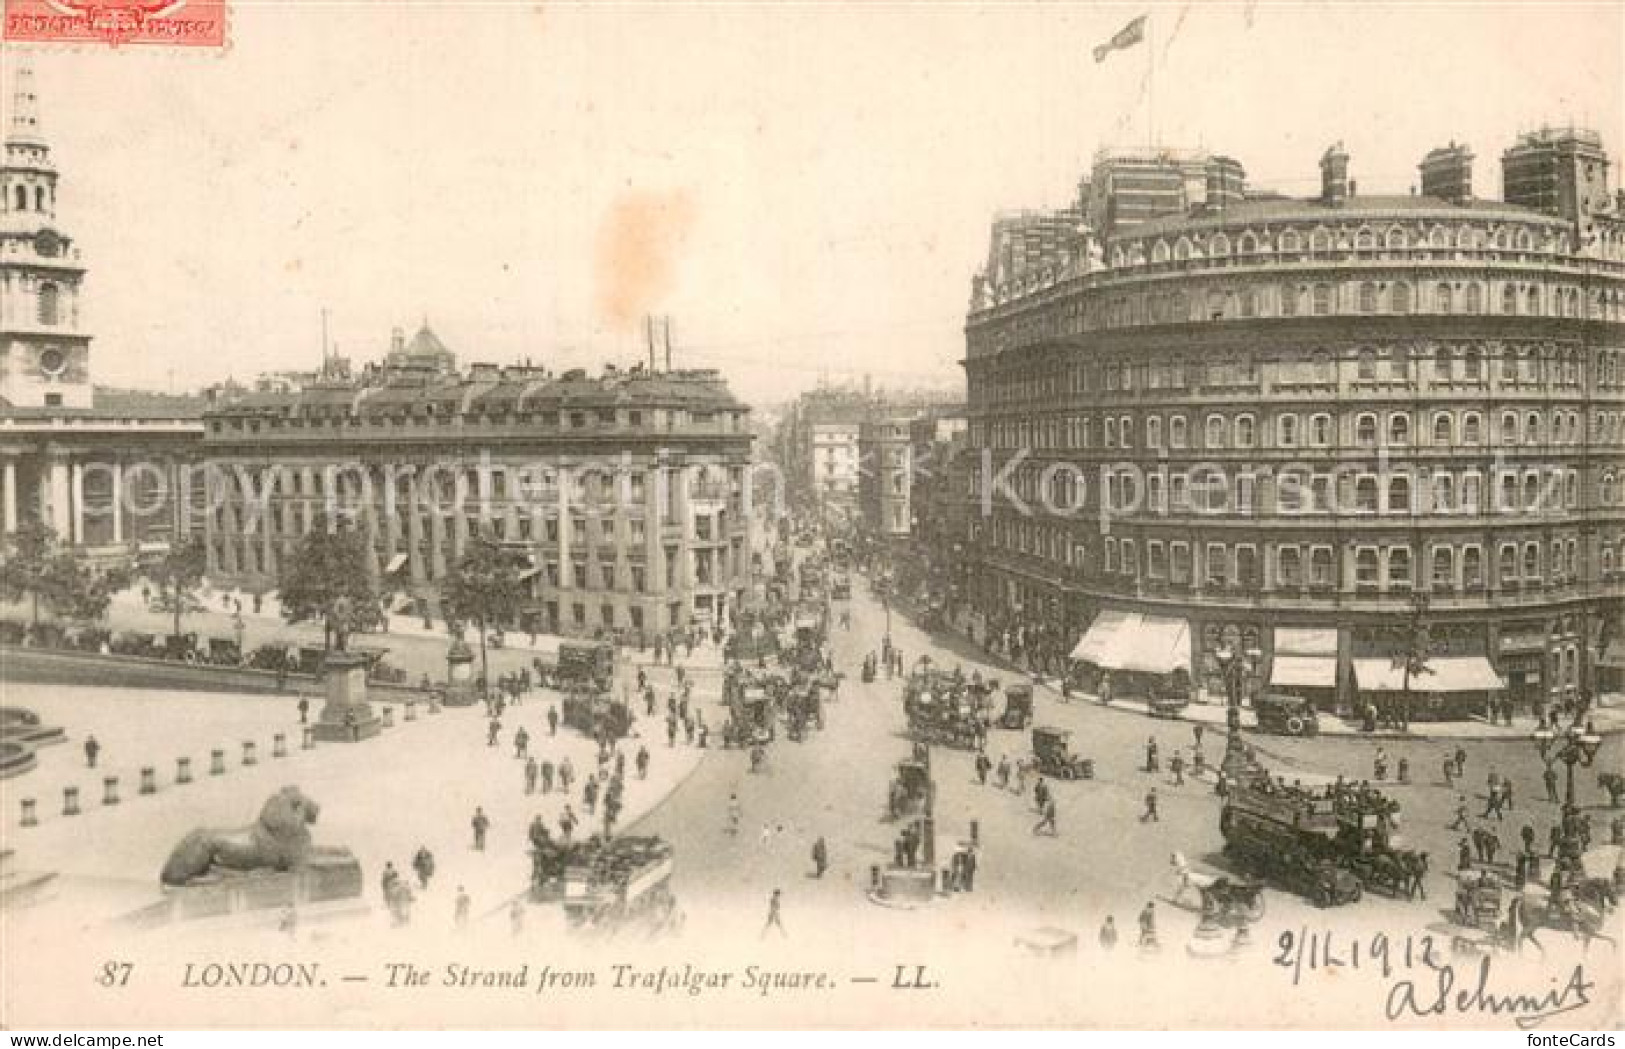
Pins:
x: 1233, y: 668
x: 1573, y: 746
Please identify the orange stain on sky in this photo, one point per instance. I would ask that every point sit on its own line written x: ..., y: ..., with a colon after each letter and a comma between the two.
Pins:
x: 639, y: 249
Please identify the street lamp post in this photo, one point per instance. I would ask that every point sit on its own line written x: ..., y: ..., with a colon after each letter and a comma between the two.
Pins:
x: 1576, y: 745
x: 1231, y: 669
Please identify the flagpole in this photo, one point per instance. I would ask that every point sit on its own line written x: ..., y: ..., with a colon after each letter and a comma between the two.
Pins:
x: 1151, y: 79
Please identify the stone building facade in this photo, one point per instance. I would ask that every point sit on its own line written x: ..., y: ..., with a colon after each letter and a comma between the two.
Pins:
x: 627, y: 492
x: 1318, y: 418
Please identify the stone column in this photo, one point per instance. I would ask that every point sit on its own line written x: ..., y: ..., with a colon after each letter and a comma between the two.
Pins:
x: 9, y: 494
x: 54, y: 494
x: 118, y: 501
x: 77, y: 479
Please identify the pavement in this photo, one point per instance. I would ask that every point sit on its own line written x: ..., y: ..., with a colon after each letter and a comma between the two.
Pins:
x: 1607, y: 718
x: 415, y: 784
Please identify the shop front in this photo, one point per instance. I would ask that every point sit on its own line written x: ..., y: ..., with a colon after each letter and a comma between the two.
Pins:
x: 1133, y: 654
x: 1451, y: 688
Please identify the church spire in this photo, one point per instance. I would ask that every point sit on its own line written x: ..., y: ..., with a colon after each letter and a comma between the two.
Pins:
x: 24, y: 128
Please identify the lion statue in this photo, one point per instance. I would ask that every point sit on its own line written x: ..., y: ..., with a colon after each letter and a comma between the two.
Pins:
x: 279, y: 841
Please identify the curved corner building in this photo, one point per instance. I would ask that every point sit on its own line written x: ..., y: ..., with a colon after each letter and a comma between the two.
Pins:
x: 1310, y: 432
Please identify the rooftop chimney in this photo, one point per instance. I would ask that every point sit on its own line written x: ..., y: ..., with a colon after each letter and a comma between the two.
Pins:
x: 1334, y: 176
x: 1447, y: 173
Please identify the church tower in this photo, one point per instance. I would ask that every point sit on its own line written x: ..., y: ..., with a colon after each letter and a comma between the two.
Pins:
x: 44, y: 357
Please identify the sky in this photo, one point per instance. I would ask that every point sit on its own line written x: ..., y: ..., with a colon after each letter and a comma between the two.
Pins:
x: 805, y: 189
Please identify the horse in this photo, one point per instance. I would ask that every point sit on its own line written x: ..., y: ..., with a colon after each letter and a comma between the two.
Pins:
x: 1189, y: 878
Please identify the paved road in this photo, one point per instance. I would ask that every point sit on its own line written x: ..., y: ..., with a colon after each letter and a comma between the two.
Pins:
x: 1105, y: 860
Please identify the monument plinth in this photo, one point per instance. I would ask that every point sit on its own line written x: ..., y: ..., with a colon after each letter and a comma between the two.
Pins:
x: 347, y: 717
x: 460, y: 690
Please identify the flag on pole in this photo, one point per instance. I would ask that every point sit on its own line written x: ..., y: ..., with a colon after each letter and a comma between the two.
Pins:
x: 1125, y: 37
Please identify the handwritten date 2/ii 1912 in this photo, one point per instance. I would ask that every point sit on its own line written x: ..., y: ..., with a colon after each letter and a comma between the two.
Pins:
x: 1424, y: 984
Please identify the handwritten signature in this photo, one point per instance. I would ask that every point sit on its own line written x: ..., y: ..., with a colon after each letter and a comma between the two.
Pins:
x: 1528, y: 1009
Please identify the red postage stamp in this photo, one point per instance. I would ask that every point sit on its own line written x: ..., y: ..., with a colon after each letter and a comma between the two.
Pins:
x: 165, y: 23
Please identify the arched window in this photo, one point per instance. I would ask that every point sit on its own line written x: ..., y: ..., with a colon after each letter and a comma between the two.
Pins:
x: 1605, y: 492
x: 1153, y: 431
x: 1438, y: 238
x: 1322, y: 299
x: 1159, y: 251
x: 1475, y: 299
x: 1289, y: 300
x: 1125, y: 431
x: 22, y: 198
x: 1111, y: 432
x: 1607, y: 561
x: 1289, y: 241
x: 1365, y: 429
x: 1509, y: 427
x: 1531, y: 491
x: 1531, y: 560
x: 1286, y: 431
x: 1215, y: 431
x: 1365, y: 567
x: 1442, y: 298
x: 1533, y: 298
x: 1365, y: 240
x: 1472, y: 568
x: 1396, y: 238
x: 1399, y: 566
x: 1509, y: 493
x: 1444, y: 568
x: 1444, y: 432
x: 1472, y: 366
x: 1290, y: 562
x: 1442, y: 364
x: 50, y: 308
x: 1402, y: 298
x: 1444, y: 493
x: 1320, y: 430
x: 1509, y: 299
x: 1472, y: 428
x: 1508, y: 567
x: 1320, y: 242
x: 1399, y: 428
x: 1247, y: 245
x: 1246, y: 431
x: 1531, y: 428
x: 1176, y: 431
x: 39, y: 198
x: 1368, y: 297
x: 1399, y: 495
x: 1367, y: 366
x: 1219, y: 245
x: 1365, y: 494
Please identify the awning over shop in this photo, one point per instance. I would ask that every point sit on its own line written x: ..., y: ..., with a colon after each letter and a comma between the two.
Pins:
x: 396, y: 563
x: 1136, y: 642
x: 1156, y: 646
x: 1304, y: 671
x: 1444, y: 674
x: 1098, y: 640
x: 1300, y: 641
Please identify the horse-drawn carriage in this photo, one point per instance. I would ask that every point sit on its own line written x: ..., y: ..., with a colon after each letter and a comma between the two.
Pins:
x: 1479, y: 902
x: 1018, y: 705
x: 1298, y: 836
x: 941, y: 708
x: 1053, y: 755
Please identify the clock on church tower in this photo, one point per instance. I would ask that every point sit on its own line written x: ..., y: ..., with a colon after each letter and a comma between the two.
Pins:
x: 44, y: 357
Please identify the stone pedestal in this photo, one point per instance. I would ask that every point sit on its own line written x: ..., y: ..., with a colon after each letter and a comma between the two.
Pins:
x: 347, y: 716
x: 460, y: 690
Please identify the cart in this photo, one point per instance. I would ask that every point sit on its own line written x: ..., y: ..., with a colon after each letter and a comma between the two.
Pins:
x: 1052, y: 749
x: 1018, y: 707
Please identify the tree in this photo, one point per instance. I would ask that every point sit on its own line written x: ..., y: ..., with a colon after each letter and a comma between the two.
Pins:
x: 179, y: 575
x: 60, y: 581
x: 484, y: 589
x: 27, y: 571
x: 327, y: 579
